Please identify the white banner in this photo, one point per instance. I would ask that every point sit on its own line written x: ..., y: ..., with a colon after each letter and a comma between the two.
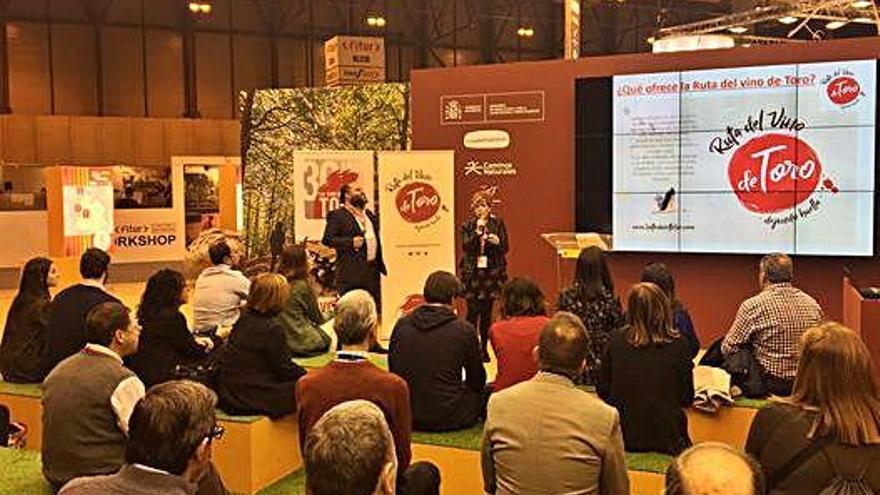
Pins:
x: 318, y: 175
x: 417, y: 213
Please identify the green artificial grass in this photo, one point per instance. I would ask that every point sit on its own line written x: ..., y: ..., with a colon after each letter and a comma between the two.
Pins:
x: 750, y: 403
x: 21, y: 473
x: 463, y: 439
x: 380, y: 360
x: 21, y: 389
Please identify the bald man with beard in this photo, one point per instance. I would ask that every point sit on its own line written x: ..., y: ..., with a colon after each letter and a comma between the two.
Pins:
x: 713, y: 468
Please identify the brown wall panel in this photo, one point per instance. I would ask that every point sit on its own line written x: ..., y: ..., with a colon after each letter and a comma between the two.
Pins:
x: 213, y: 74
x: 178, y: 136
x: 28, y: 68
x: 252, y: 68
x: 164, y: 73
x: 147, y: 141
x: 123, y: 68
x: 52, y: 139
x: 115, y: 139
x: 292, y: 63
x: 85, y: 140
x: 20, y: 139
x: 74, y: 67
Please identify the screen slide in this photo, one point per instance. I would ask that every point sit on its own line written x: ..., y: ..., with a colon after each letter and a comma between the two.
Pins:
x: 746, y: 160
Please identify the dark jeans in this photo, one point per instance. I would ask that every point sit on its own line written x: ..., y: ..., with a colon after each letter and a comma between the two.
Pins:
x: 420, y: 478
x: 4, y: 426
x: 471, y: 409
x: 479, y: 313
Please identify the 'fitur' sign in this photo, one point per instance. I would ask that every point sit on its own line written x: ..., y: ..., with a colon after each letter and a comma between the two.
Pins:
x: 353, y: 60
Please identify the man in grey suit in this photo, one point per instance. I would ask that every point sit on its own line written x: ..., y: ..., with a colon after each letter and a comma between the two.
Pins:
x: 545, y: 436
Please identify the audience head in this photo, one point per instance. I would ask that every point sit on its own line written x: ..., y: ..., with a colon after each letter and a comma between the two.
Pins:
x: 592, y: 275
x: 648, y: 316
x: 172, y: 428
x: 522, y: 297
x: 268, y: 294
x: 659, y: 275
x: 220, y: 253
x: 37, y: 276
x: 356, y: 319
x: 109, y: 324
x: 712, y: 468
x: 294, y: 262
x: 835, y: 379
x: 93, y: 264
x: 776, y: 268
x: 441, y: 288
x: 562, y: 345
x: 166, y: 289
x: 350, y: 451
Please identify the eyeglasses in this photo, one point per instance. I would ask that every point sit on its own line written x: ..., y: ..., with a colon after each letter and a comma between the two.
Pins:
x: 216, y: 433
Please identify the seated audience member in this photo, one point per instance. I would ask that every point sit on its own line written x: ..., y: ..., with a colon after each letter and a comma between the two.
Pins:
x: 219, y: 292
x: 827, y: 434
x: 647, y: 374
x: 350, y: 451
x: 771, y: 323
x: 351, y: 376
x: 712, y: 468
x: 591, y: 297
x: 515, y: 336
x: 24, y: 338
x: 171, y: 432
x: 429, y: 349
x: 659, y: 275
x: 165, y: 340
x: 66, y: 333
x: 301, y: 317
x: 545, y: 435
x: 88, y: 399
x: 257, y: 375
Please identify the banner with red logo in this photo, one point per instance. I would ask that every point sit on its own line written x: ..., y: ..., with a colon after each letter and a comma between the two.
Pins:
x: 417, y: 212
x: 318, y: 176
x: 751, y: 160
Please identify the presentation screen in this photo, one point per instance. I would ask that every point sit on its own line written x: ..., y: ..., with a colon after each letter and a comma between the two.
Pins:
x: 746, y: 160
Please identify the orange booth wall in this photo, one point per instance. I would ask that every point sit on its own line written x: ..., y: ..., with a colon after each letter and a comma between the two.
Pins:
x: 541, y: 197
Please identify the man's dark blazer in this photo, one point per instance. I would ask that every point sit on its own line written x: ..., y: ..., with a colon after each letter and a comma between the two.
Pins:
x: 352, y: 270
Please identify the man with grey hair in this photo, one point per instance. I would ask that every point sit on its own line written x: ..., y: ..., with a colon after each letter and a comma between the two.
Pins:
x: 711, y: 467
x: 350, y: 451
x: 545, y: 435
x: 770, y: 324
x: 171, y: 432
x: 352, y: 376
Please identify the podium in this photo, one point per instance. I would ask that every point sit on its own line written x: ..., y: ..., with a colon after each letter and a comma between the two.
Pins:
x: 861, y: 313
x: 568, y: 246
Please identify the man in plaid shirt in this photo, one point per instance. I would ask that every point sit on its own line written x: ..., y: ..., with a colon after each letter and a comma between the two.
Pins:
x: 771, y: 323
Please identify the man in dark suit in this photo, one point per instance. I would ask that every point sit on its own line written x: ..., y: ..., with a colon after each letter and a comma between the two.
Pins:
x: 353, y: 231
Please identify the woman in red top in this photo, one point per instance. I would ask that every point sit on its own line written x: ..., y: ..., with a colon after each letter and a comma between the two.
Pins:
x: 515, y: 336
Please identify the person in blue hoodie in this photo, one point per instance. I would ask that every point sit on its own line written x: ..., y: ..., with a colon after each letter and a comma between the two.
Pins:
x: 438, y: 355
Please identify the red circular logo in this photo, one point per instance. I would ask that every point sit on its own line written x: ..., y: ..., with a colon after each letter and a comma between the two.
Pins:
x: 843, y: 90
x: 417, y: 202
x: 774, y: 172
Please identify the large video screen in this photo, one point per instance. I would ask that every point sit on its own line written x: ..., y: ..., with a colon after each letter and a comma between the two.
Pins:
x: 746, y: 160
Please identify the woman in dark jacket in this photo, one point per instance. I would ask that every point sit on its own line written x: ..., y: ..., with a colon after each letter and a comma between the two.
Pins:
x: 301, y: 317
x: 484, y: 264
x: 591, y: 297
x: 24, y: 337
x: 257, y: 375
x: 165, y: 340
x: 647, y: 375
x: 828, y: 430
x: 659, y: 275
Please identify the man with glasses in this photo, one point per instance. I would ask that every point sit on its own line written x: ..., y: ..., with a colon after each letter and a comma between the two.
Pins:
x: 171, y: 433
x: 88, y: 399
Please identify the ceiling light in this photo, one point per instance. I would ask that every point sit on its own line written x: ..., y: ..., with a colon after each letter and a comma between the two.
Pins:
x: 194, y: 7
x: 376, y: 21
x: 862, y: 4
x: 738, y: 29
x: 832, y: 25
x: 789, y: 19
x: 525, y: 32
x: 205, y: 8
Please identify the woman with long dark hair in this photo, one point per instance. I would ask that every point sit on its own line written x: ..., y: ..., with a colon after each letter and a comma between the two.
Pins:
x: 647, y: 374
x: 827, y: 433
x: 165, y: 340
x: 301, y: 317
x: 484, y: 264
x: 515, y: 336
x: 659, y: 275
x: 24, y: 337
x: 591, y: 297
